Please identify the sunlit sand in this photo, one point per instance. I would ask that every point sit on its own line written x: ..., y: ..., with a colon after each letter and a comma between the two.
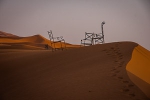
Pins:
x: 139, y: 69
x: 32, y: 42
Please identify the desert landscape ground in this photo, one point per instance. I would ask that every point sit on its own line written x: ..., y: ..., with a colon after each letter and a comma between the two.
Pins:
x: 10, y: 41
x: 28, y: 71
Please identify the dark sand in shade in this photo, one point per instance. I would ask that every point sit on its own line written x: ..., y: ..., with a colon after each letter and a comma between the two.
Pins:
x: 88, y: 73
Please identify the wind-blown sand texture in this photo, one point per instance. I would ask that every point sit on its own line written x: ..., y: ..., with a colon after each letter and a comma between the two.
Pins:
x: 139, y: 69
x: 10, y: 41
x: 88, y: 73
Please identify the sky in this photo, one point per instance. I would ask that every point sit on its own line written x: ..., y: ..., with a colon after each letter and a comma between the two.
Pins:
x: 126, y: 20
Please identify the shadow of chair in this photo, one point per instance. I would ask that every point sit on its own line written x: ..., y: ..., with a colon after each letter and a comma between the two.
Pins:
x: 56, y: 40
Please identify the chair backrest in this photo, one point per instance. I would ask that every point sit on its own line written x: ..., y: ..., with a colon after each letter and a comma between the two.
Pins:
x: 88, y: 40
x: 89, y: 36
x: 100, y: 35
x: 50, y: 35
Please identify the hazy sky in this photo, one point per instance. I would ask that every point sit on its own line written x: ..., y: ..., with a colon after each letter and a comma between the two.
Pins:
x: 126, y: 20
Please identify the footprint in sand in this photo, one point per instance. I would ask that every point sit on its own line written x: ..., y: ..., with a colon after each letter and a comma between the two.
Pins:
x: 104, y: 50
x: 116, y: 61
x: 125, y: 81
x: 113, y: 69
x: 120, y: 66
x: 108, y: 53
x: 120, y: 77
x: 114, y: 75
x: 120, y: 58
x: 115, y: 50
x: 130, y: 85
x: 125, y: 90
x: 118, y: 48
x: 120, y: 55
x: 122, y: 62
x: 117, y: 71
x: 112, y: 48
x: 90, y: 91
x: 132, y: 94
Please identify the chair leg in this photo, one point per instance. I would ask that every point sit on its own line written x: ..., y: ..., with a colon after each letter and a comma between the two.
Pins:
x: 64, y: 44
x: 61, y: 46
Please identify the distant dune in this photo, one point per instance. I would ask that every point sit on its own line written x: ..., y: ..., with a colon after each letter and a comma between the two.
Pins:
x: 4, y: 34
x: 88, y: 73
x: 10, y: 41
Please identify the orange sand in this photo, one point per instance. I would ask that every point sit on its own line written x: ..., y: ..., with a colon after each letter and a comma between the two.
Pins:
x: 139, y: 66
x: 36, y: 41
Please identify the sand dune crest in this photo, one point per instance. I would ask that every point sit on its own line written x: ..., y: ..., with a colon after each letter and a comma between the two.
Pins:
x: 37, y: 41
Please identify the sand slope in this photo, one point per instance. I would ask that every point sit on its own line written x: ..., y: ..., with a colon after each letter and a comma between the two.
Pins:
x: 139, y: 69
x: 10, y: 41
x: 4, y: 34
x: 88, y: 73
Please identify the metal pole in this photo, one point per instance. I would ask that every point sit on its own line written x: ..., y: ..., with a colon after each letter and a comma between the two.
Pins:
x: 102, y: 30
x: 49, y: 34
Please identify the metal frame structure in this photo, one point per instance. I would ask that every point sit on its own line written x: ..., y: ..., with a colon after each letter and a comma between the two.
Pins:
x: 92, y: 38
x: 88, y: 39
x: 55, y: 40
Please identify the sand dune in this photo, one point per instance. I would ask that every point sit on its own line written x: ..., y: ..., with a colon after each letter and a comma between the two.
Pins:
x: 139, y: 69
x: 89, y: 73
x: 37, y: 41
x: 4, y: 34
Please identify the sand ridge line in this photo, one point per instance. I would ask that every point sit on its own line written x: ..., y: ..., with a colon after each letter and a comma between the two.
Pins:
x: 115, y: 53
x: 125, y: 89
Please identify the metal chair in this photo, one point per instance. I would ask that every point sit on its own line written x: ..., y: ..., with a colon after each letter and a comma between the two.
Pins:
x: 92, y: 38
x: 98, y: 38
x: 56, y: 40
x: 88, y: 40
